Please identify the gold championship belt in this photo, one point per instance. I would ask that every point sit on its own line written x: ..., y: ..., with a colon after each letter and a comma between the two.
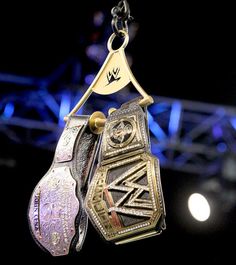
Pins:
x: 124, y: 200
x: 56, y: 215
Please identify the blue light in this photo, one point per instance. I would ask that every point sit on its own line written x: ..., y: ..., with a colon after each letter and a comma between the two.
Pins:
x: 64, y: 108
x: 89, y: 79
x: 19, y: 80
x: 50, y: 101
x: 217, y: 131
x: 233, y: 122
x: 158, y: 108
x: 155, y: 128
x: 174, y: 118
x: 157, y: 151
x: 96, y: 52
x: 8, y: 110
x: 221, y: 147
x: 77, y: 98
x: 98, y: 18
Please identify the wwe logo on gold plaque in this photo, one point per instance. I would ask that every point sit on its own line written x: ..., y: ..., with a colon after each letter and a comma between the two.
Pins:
x: 113, y: 75
x: 125, y: 197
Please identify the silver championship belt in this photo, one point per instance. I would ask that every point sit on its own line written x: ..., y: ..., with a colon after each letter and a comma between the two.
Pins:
x: 124, y: 200
x: 56, y: 215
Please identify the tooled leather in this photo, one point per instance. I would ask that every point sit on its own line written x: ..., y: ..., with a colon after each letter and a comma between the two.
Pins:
x: 85, y: 152
x: 84, y: 158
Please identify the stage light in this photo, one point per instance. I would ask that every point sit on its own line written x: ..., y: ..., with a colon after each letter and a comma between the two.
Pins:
x: 222, y: 147
x: 98, y: 18
x: 89, y: 79
x: 233, y: 122
x: 199, y: 207
x: 9, y: 110
x: 64, y: 108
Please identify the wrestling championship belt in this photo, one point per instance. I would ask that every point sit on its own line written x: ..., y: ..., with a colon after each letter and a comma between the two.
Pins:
x: 56, y: 215
x: 124, y: 200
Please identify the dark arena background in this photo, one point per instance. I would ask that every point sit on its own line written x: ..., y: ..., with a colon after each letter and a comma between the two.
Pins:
x: 184, y: 56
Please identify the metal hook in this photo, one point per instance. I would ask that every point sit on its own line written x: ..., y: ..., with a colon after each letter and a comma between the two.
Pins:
x: 121, y: 16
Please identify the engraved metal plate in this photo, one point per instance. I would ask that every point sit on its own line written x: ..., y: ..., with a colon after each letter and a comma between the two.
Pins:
x: 122, y: 136
x: 113, y: 75
x: 121, y: 132
x: 125, y: 197
x: 65, y: 146
x: 53, y: 209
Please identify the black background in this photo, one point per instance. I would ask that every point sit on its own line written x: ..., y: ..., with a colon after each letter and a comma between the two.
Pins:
x: 181, y: 50
x: 185, y: 51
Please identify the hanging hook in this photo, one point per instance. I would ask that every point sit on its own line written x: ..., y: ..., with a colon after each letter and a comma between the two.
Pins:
x: 121, y: 17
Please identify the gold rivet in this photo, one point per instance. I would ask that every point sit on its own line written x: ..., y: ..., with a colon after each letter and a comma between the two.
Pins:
x: 97, y: 122
x: 111, y: 110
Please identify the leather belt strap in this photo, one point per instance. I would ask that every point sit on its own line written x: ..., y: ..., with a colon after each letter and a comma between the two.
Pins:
x: 124, y: 200
x: 56, y: 214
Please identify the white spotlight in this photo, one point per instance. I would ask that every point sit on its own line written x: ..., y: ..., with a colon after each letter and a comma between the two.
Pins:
x: 199, y: 207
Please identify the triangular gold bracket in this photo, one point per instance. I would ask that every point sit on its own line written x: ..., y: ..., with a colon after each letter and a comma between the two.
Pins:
x: 114, y: 75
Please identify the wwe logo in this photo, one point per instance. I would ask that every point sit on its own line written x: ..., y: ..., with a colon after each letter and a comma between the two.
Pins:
x: 113, y: 75
x: 131, y: 200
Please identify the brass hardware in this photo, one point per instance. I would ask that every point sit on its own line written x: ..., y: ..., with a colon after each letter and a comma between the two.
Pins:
x: 114, y: 75
x: 97, y: 122
x: 111, y: 110
x: 136, y: 238
x: 112, y: 37
x: 148, y: 100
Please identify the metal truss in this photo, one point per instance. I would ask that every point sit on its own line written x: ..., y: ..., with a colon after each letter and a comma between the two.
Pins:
x: 187, y: 136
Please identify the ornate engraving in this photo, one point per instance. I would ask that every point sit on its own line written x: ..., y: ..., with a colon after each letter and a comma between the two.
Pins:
x: 53, y: 210
x: 65, y: 146
x: 125, y: 197
x: 121, y: 133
